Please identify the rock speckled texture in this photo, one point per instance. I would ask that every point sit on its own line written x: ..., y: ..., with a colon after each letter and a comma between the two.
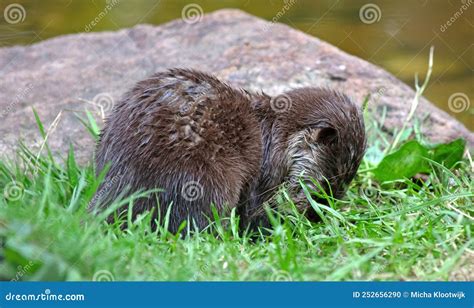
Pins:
x: 66, y: 73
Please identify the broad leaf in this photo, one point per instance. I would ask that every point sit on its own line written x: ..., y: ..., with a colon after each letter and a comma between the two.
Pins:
x: 407, y: 161
x: 412, y: 158
x: 450, y: 153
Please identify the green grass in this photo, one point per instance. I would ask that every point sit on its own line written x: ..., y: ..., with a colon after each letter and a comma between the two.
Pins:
x: 404, y: 229
x: 401, y: 230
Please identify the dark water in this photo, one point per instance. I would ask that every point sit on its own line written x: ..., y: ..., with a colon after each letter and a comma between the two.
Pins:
x: 396, y: 36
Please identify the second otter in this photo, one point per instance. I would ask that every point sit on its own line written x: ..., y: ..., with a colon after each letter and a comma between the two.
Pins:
x: 204, y: 142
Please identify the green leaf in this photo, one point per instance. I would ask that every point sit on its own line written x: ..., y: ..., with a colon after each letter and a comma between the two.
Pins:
x: 43, y: 134
x: 407, y: 161
x: 93, y: 125
x: 39, y: 123
x: 365, y: 103
x: 72, y: 168
x: 450, y: 153
x: 90, y: 124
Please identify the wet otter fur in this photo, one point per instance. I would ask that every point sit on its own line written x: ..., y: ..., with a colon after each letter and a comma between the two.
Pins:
x: 204, y: 142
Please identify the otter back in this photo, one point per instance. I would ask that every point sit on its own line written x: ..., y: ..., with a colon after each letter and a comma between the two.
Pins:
x: 184, y: 132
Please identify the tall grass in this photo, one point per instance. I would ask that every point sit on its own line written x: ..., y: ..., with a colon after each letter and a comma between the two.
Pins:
x: 401, y: 230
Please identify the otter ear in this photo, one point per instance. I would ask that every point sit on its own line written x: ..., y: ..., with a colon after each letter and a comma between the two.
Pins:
x: 327, y: 136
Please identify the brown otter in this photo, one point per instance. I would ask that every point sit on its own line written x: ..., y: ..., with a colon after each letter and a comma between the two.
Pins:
x: 204, y: 142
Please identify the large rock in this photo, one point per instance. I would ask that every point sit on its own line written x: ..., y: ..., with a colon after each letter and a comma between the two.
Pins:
x: 67, y: 73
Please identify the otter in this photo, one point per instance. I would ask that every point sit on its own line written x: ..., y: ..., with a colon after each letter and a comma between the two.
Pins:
x: 207, y: 144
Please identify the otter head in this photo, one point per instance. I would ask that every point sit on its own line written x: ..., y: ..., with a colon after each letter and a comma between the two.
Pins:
x: 325, y: 140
